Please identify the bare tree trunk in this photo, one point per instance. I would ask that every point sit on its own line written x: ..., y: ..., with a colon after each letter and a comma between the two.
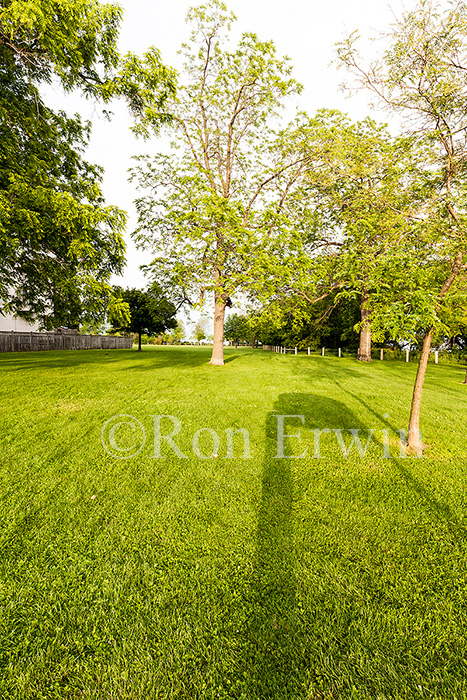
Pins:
x: 364, y: 350
x: 217, y: 357
x: 413, y: 441
x: 139, y: 342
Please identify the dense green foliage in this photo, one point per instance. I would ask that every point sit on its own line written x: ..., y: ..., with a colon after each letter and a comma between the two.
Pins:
x: 76, y: 41
x: 150, y: 311
x: 229, y: 578
x: 211, y: 211
x: 331, y: 322
x: 421, y: 75
x: 59, y: 243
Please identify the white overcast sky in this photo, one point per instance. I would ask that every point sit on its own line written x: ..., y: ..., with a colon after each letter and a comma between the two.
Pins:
x: 305, y: 30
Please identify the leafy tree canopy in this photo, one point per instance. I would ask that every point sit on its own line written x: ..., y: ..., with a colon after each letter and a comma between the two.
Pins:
x: 76, y: 41
x: 150, y: 311
x: 59, y: 242
x: 212, y: 210
x: 422, y: 75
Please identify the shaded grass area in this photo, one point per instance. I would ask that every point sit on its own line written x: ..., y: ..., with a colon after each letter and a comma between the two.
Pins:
x: 229, y: 578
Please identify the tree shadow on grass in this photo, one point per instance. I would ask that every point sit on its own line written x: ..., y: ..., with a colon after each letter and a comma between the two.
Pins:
x: 278, y: 663
x: 314, y: 367
x: 61, y: 359
x: 382, y: 418
x: 230, y: 358
x: 292, y: 650
x: 441, y: 509
x: 169, y: 356
x: 144, y: 361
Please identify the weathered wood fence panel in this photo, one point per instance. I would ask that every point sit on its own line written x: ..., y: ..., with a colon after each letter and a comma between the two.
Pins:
x: 23, y: 341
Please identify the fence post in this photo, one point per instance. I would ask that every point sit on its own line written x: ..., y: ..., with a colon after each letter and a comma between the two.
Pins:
x: 295, y: 350
x: 308, y: 350
x: 339, y: 354
x: 406, y: 355
x: 381, y: 354
x: 322, y: 352
x: 436, y: 357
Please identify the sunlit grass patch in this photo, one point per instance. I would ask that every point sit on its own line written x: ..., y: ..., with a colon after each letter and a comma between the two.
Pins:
x: 229, y: 577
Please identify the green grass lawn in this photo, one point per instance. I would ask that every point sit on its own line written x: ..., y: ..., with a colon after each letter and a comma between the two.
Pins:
x: 229, y: 578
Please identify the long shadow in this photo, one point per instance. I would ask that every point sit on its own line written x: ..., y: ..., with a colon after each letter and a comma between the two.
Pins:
x: 145, y: 361
x: 442, y: 510
x: 279, y: 659
x: 167, y: 357
x: 366, y: 405
x: 278, y: 662
x: 61, y: 359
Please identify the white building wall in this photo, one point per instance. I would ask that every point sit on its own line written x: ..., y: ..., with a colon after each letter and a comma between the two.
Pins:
x: 13, y: 323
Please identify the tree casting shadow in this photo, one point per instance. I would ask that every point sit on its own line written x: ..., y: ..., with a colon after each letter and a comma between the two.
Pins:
x: 278, y: 663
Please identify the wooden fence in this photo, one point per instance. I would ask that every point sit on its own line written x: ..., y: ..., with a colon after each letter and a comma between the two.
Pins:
x: 22, y: 341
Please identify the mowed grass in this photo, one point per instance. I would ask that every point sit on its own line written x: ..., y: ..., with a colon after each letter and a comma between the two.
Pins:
x: 229, y: 578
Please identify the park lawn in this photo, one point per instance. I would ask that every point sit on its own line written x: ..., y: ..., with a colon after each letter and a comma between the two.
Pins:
x: 229, y: 578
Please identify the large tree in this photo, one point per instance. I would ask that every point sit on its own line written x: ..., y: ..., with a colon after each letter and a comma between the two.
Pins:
x: 59, y: 243
x: 356, y: 210
x: 422, y: 75
x: 364, y: 204
x: 213, y: 209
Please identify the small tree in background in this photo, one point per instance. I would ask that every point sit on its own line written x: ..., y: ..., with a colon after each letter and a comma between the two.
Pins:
x: 245, y: 329
x: 201, y: 330
x: 178, y: 333
x: 150, y: 311
x: 235, y: 329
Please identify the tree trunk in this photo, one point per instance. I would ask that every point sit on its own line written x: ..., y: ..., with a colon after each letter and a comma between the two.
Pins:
x: 364, y: 350
x: 413, y: 441
x: 139, y: 342
x: 414, y: 430
x: 217, y: 357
